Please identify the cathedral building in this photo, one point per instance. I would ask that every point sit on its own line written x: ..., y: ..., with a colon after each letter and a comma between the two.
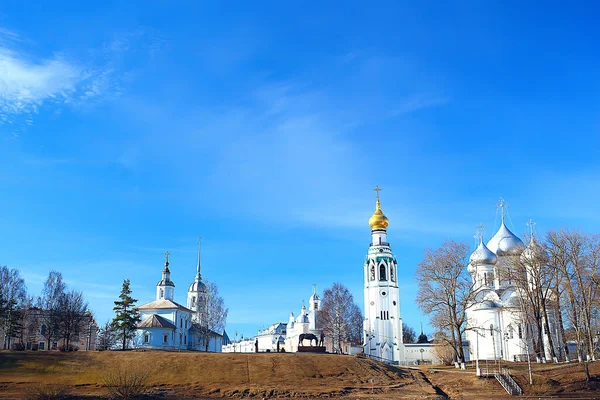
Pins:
x: 307, y: 321
x: 169, y: 325
x: 496, y: 327
x: 382, y: 323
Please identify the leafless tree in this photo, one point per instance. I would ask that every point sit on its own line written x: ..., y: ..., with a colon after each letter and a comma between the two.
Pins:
x: 408, y: 334
x: 74, y: 316
x: 107, y: 337
x: 211, y: 314
x: 446, y: 291
x: 50, y: 303
x: 342, y: 319
x: 13, y: 298
x: 577, y: 259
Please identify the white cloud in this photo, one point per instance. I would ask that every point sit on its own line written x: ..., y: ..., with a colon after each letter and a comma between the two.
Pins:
x: 28, y: 83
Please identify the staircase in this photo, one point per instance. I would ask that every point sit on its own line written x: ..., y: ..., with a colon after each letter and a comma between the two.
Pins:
x: 508, y: 383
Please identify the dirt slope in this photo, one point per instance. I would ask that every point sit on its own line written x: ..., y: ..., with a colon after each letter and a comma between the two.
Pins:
x: 217, y: 375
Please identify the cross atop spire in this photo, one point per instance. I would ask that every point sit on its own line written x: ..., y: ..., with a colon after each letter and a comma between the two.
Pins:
x: 503, y: 206
x: 314, y: 288
x: 531, y: 225
x: 377, y: 190
x: 166, y: 258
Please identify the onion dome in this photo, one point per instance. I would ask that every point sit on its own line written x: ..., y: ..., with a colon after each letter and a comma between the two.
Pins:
x: 482, y: 256
x: 378, y: 220
x: 506, y: 243
x: 302, y: 319
x: 534, y: 251
x: 166, y: 274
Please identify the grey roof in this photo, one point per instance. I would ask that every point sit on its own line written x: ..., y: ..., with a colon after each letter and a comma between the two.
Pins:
x: 156, y: 321
x: 163, y: 304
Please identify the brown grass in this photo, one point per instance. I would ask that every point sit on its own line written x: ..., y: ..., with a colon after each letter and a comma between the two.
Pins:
x: 192, y: 374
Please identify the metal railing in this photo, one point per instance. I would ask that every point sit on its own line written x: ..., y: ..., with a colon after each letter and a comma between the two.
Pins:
x: 508, y: 383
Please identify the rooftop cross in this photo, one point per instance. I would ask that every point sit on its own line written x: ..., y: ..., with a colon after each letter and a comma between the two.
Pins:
x: 479, y: 232
x: 502, y: 205
x: 531, y: 226
x: 167, y: 259
x: 377, y: 190
x: 314, y: 288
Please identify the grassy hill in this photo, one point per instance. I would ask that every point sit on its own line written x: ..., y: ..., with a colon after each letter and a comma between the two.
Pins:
x: 272, y: 375
x: 216, y: 375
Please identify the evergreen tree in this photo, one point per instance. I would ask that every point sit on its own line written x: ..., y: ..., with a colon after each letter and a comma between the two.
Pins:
x: 127, y: 316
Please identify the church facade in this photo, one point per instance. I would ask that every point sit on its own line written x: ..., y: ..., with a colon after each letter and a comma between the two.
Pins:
x: 382, y: 328
x: 168, y: 325
x: 307, y: 321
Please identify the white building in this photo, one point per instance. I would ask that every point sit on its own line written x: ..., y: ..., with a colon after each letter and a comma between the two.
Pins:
x: 271, y: 339
x: 306, y: 322
x: 383, y: 323
x: 496, y: 328
x: 169, y: 325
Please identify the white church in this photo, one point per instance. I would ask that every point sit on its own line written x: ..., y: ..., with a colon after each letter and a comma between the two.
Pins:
x: 168, y: 325
x: 496, y: 328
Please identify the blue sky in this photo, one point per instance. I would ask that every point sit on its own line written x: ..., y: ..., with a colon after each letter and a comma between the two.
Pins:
x: 131, y: 128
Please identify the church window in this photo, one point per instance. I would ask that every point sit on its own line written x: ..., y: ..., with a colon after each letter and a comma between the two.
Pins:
x: 491, y: 329
x: 372, y: 272
x: 147, y: 338
x: 184, y: 339
x: 392, y: 275
x: 193, y: 300
x: 166, y: 338
x: 162, y: 293
x: 510, y: 332
x: 181, y: 322
x: 382, y: 272
x: 485, y: 278
x: 520, y: 332
x: 42, y: 346
x: 380, y: 240
x: 180, y: 338
x: 316, y: 307
x: 43, y: 330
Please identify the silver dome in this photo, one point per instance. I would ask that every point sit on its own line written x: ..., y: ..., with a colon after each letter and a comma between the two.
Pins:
x: 197, y: 286
x: 505, y: 243
x: 482, y: 256
x: 302, y: 319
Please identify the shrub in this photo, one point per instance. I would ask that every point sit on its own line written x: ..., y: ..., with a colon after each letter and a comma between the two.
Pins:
x: 48, y: 391
x: 123, y: 383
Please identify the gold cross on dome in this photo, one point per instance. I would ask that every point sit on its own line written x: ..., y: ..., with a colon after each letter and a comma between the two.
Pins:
x: 377, y: 190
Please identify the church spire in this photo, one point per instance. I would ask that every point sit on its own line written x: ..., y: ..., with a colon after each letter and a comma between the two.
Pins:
x: 198, y: 275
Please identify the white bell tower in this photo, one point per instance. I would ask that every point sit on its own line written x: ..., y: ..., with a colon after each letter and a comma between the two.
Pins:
x: 383, y: 325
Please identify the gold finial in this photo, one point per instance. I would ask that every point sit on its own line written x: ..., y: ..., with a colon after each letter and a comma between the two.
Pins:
x: 167, y: 259
x: 378, y: 220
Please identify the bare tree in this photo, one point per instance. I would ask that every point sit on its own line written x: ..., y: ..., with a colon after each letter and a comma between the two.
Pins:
x: 408, y: 334
x: 107, y: 337
x: 73, y: 316
x: 341, y: 317
x: 50, y: 303
x: 211, y: 314
x: 13, y: 297
x: 446, y: 291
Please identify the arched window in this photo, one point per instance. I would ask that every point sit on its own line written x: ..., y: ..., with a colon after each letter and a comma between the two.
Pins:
x: 491, y: 329
x: 147, y: 338
x: 43, y: 330
x: 162, y: 293
x: 520, y: 332
x: 372, y: 272
x: 382, y: 272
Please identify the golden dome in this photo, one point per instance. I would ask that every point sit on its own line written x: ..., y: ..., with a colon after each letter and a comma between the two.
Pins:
x: 378, y: 220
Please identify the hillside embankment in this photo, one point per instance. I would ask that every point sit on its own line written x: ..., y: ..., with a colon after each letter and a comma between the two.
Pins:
x: 196, y: 375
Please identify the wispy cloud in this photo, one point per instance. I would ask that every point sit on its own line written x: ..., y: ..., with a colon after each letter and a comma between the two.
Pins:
x: 29, y: 83
x: 418, y: 102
